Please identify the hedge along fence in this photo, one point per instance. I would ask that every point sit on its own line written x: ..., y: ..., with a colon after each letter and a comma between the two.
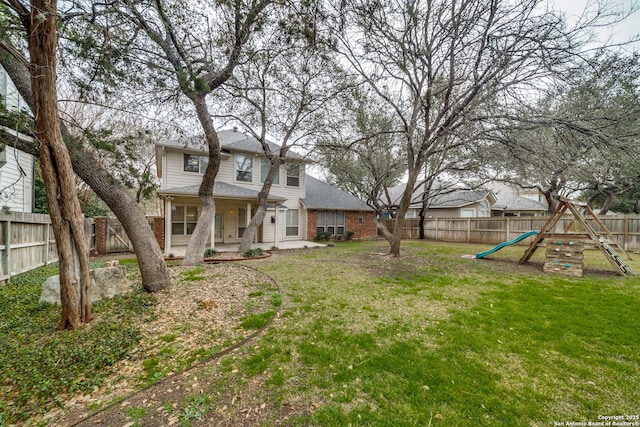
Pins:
x: 27, y: 242
x: 494, y: 230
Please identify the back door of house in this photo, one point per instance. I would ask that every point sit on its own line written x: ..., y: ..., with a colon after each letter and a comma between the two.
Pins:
x: 219, y: 227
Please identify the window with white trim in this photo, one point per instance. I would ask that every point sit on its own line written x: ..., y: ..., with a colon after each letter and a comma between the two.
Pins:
x: 293, y: 175
x: 361, y: 217
x: 195, y: 163
x: 292, y: 222
x: 467, y: 213
x: 183, y: 219
x: 265, y: 167
x: 242, y: 221
x: 244, y: 168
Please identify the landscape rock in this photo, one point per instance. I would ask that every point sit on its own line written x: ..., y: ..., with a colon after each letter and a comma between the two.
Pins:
x: 105, y: 283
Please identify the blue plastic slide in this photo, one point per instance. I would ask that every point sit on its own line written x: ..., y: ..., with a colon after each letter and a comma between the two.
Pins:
x: 510, y: 242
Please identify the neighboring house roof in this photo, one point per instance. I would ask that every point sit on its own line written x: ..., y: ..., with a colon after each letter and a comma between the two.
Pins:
x: 320, y: 195
x: 458, y: 199
x: 231, y: 140
x: 220, y: 189
x: 512, y: 202
x: 454, y: 199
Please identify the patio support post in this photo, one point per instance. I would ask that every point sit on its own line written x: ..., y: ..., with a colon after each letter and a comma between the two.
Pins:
x: 275, y: 228
x: 248, y: 217
x: 167, y: 225
x: 213, y: 230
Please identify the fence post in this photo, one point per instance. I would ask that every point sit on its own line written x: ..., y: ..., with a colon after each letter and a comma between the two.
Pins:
x: 625, y: 242
x: 468, y: 230
x: 7, y: 248
x: 508, y: 230
x: 45, y: 254
x: 436, y: 229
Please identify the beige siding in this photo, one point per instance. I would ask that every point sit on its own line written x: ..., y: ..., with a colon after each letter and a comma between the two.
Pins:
x: 175, y: 176
x: 452, y: 212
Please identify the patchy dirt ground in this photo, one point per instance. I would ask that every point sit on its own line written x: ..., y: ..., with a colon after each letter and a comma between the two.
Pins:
x: 197, y: 317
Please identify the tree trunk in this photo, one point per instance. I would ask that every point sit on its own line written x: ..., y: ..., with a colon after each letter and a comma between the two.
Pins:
x: 198, y: 240
x: 552, y: 201
x: 258, y: 217
x: 381, y: 226
x: 57, y: 171
x: 405, y: 201
x: 608, y: 201
x: 153, y: 269
x: 421, y: 216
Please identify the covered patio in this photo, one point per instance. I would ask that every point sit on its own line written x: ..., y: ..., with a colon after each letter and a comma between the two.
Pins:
x: 234, y: 207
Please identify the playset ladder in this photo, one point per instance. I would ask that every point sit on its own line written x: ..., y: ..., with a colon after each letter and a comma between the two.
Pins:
x: 622, y: 266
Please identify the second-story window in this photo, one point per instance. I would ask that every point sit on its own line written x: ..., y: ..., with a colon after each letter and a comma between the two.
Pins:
x: 244, y: 167
x: 195, y: 163
x: 293, y: 175
x: 265, y: 167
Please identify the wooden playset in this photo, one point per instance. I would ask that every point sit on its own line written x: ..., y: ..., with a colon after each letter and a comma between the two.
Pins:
x: 564, y: 253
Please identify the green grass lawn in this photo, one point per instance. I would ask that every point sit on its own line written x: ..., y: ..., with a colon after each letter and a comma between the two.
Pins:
x: 432, y: 338
x: 429, y: 338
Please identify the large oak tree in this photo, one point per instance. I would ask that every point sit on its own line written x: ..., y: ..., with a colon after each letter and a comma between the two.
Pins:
x: 449, y: 69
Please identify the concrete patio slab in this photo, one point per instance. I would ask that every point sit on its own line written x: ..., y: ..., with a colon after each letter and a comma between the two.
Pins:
x: 179, y: 251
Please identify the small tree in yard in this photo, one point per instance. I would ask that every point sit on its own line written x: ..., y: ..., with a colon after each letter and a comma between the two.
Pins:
x: 364, y: 158
x: 286, y: 87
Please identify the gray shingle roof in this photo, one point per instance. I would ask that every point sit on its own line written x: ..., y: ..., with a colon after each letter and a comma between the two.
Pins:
x: 229, y: 139
x: 320, y: 195
x: 512, y: 202
x: 457, y: 199
x: 220, y: 189
x: 454, y: 199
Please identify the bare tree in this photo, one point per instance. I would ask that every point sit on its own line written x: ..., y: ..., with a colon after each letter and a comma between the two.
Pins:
x: 285, y: 87
x: 440, y: 65
x: 197, y: 47
x: 363, y: 156
x: 582, y: 137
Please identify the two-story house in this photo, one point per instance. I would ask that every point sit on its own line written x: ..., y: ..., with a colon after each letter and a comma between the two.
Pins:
x: 242, y: 172
x: 17, y: 168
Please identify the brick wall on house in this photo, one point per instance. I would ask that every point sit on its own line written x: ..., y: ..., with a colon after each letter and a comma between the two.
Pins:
x: 367, y: 230
x: 158, y: 230
x: 312, y: 223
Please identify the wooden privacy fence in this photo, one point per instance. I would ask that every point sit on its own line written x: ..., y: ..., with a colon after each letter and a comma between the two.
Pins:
x: 494, y: 230
x: 26, y: 242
